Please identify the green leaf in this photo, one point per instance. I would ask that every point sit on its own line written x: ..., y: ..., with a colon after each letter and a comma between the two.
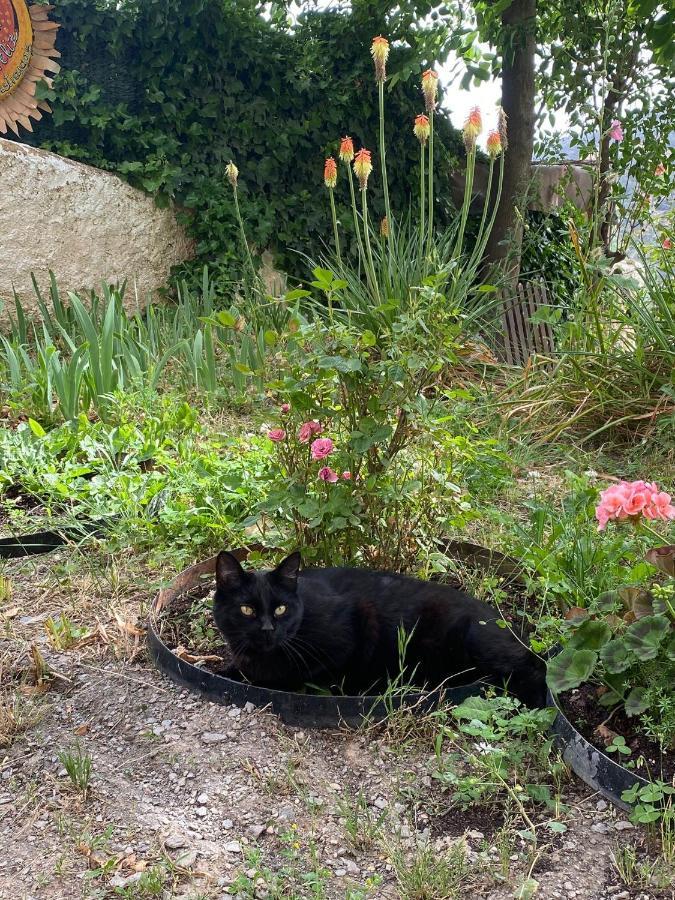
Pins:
x: 296, y: 294
x: 36, y: 428
x: 645, y: 636
x: 615, y: 656
x: 226, y: 318
x: 570, y: 668
x: 340, y: 363
x: 592, y: 634
x: 636, y: 701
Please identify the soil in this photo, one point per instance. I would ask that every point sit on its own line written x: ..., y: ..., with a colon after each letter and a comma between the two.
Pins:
x: 582, y: 709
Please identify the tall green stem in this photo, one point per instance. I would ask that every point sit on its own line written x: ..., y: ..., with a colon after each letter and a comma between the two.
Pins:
x: 254, y: 274
x: 357, y: 228
x: 482, y: 235
x: 383, y: 159
x: 431, y: 180
x: 366, y: 232
x: 335, y: 226
x: 422, y: 191
x: 468, y: 189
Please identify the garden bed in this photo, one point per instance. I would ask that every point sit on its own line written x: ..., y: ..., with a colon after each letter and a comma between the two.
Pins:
x: 186, y: 645
x: 646, y: 759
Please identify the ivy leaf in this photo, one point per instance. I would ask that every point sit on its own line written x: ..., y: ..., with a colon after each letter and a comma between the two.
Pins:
x: 570, y: 668
x: 644, y: 637
x: 636, y: 701
x: 615, y: 656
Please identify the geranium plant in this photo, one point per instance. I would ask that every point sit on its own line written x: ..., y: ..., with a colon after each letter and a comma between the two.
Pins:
x: 626, y: 642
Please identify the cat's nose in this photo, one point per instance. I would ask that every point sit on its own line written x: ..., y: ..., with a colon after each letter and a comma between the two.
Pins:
x: 267, y: 625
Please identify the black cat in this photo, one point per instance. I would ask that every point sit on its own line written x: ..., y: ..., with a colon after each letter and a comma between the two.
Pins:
x: 341, y: 626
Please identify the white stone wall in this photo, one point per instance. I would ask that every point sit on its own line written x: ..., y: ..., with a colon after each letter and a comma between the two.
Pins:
x: 85, y: 225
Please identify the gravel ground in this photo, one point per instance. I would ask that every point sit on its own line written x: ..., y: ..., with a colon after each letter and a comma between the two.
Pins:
x: 193, y: 799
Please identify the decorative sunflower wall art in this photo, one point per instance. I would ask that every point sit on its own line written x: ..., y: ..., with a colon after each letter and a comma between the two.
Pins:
x: 26, y: 52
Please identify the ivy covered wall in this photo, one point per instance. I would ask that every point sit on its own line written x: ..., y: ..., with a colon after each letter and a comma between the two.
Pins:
x: 165, y: 92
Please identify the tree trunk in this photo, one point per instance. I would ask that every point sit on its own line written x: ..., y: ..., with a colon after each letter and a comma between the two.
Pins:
x: 627, y: 60
x: 518, y: 99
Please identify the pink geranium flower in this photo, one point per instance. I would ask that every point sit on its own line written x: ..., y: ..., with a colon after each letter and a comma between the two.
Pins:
x: 321, y: 448
x: 276, y: 434
x: 632, y: 499
x: 327, y: 474
x: 616, y: 131
x: 307, y: 431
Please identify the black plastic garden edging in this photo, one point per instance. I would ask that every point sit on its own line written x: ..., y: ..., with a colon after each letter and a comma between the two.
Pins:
x: 590, y: 764
x: 311, y: 710
x: 45, y: 541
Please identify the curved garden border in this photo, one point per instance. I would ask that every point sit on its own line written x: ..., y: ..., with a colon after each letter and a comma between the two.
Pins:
x: 590, y: 764
x: 313, y: 710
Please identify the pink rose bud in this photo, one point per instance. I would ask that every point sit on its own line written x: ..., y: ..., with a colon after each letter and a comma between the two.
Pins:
x: 285, y: 407
x: 347, y: 475
x: 327, y: 474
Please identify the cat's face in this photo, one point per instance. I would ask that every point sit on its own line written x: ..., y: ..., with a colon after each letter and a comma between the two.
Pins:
x: 257, y: 611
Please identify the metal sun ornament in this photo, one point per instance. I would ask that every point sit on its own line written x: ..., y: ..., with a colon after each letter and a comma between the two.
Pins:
x: 27, y: 52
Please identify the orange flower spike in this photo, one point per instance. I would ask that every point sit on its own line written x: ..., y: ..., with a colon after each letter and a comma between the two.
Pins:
x: 430, y: 89
x: 422, y: 129
x: 379, y: 50
x: 346, y: 150
x: 494, y: 144
x: 330, y: 173
x: 363, y: 167
x: 472, y: 128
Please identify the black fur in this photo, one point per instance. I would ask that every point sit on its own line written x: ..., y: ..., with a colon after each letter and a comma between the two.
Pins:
x: 341, y: 627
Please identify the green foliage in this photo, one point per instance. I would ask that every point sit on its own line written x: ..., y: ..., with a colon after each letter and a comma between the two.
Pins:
x: 165, y: 94
x: 565, y: 559
x: 495, y: 751
x: 82, y: 355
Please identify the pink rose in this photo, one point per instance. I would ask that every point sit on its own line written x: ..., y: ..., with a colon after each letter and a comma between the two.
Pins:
x: 285, y: 407
x: 307, y: 431
x: 347, y: 475
x: 321, y: 448
x: 660, y: 170
x: 616, y: 131
x: 327, y: 474
x: 276, y: 434
x: 667, y: 244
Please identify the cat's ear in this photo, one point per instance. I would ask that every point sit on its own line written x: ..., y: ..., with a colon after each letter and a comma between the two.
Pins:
x: 229, y: 574
x: 288, y: 568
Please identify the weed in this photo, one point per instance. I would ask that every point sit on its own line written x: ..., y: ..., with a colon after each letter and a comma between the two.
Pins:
x: 362, y: 824
x: 16, y: 716
x: 63, y: 633
x: 78, y: 765
x: 428, y: 874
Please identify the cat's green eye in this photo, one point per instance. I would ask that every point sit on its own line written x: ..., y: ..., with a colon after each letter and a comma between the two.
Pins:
x: 248, y: 610
x: 280, y: 610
